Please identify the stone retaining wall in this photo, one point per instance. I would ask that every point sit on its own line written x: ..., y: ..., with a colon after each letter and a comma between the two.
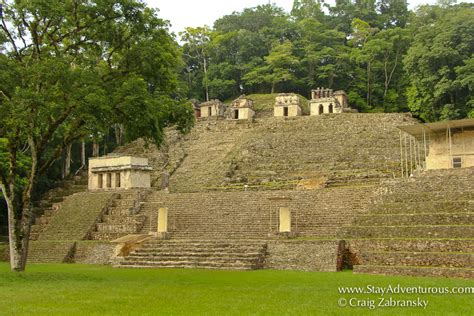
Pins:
x: 303, y: 255
x: 94, y: 252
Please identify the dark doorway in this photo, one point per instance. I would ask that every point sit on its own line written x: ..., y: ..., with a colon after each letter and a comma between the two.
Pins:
x: 100, y: 183
x: 321, y: 109
x: 285, y: 111
x: 109, y: 180
x: 209, y: 111
x: 117, y: 180
x: 236, y: 114
x: 330, y: 108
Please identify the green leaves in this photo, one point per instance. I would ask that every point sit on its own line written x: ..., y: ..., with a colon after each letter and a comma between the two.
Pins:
x: 438, y: 62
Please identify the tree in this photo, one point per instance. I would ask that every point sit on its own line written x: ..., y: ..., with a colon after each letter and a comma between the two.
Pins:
x: 72, y: 69
x: 196, y: 50
x: 438, y: 60
x: 279, y: 66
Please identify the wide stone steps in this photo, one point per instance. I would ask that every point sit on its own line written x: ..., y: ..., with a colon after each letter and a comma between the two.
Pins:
x: 423, y: 225
x: 454, y: 206
x: 412, y: 245
x: 210, y: 254
x: 428, y: 196
x: 409, y: 219
x: 420, y: 231
x: 428, y: 271
x: 188, y: 265
x: 49, y: 251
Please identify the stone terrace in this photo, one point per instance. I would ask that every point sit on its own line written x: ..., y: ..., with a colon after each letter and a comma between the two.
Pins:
x: 278, y: 153
x: 418, y: 226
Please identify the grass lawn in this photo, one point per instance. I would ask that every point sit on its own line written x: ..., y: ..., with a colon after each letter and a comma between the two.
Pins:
x: 86, y: 290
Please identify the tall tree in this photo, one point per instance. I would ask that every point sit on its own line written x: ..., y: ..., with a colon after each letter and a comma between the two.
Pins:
x: 437, y: 61
x: 71, y: 69
x: 196, y: 51
x: 279, y: 66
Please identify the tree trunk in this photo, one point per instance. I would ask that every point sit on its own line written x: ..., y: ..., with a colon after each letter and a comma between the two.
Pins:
x: 19, y: 227
x: 95, y: 149
x: 83, y: 153
x: 13, y: 231
x: 273, y: 88
x: 119, y: 131
x: 67, y: 161
x: 206, y: 86
x: 368, y: 84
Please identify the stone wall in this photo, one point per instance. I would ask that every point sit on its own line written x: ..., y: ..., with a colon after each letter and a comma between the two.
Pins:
x: 89, y: 252
x: 305, y: 255
x: 292, y: 110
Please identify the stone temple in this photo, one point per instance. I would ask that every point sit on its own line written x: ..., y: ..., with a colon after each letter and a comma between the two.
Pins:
x: 376, y: 193
x: 325, y: 101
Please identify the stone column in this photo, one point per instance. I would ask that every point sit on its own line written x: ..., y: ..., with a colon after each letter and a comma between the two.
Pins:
x: 285, y: 220
x: 162, y: 222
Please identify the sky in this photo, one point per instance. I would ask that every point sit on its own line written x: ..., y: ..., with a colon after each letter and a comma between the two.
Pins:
x: 183, y: 13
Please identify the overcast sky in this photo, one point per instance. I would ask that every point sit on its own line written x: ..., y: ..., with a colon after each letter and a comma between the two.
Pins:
x: 183, y: 13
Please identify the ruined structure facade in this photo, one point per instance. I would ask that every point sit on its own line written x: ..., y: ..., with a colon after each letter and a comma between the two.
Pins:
x: 213, y: 108
x: 326, y: 101
x: 439, y: 145
x: 241, y: 109
x: 287, y: 104
x: 114, y: 172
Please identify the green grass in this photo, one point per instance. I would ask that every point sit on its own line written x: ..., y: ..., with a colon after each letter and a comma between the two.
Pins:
x: 97, y: 290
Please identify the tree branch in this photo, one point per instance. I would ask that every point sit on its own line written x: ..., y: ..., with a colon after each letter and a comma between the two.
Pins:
x: 59, y: 148
x: 53, y: 126
x: 10, y: 37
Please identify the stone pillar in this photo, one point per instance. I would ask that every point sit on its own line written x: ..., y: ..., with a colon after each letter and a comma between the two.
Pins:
x: 162, y: 222
x: 165, y: 181
x: 285, y: 220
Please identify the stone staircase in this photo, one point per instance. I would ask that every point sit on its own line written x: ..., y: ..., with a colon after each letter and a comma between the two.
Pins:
x: 418, y: 226
x: 56, y: 232
x: 122, y: 217
x: 202, y: 254
x: 46, y: 207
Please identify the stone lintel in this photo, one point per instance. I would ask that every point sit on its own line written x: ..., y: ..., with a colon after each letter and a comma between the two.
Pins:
x: 120, y: 168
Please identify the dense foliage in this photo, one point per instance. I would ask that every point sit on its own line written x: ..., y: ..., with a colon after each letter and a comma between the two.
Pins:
x: 73, y: 70
x: 387, y: 58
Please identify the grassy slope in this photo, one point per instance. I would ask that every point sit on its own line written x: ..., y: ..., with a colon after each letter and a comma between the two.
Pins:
x: 86, y: 290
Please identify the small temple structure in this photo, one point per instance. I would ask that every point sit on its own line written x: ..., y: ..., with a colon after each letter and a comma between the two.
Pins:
x: 325, y: 101
x: 287, y: 104
x: 241, y: 109
x: 115, y: 172
x: 212, y: 108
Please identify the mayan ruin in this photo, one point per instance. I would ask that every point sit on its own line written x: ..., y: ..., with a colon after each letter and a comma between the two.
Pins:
x: 284, y: 157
